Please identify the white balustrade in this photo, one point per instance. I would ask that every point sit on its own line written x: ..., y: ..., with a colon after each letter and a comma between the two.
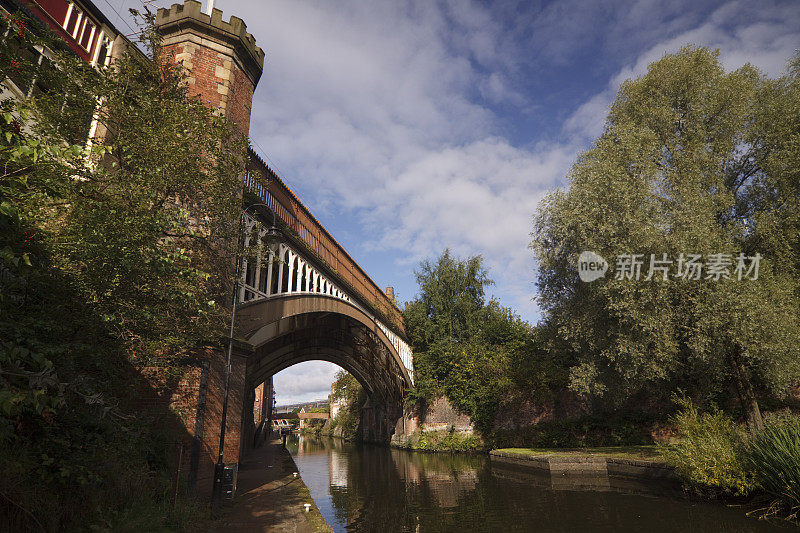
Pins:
x: 300, y: 277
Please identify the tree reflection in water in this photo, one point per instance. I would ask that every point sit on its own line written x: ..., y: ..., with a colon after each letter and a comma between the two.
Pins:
x: 372, y: 488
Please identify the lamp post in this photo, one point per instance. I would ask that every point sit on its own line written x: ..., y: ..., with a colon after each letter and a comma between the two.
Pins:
x: 273, y: 237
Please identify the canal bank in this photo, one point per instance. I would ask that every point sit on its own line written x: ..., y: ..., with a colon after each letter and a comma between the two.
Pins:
x: 271, y: 496
x: 640, y: 463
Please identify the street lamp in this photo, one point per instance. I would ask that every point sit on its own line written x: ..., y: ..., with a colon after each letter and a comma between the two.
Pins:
x: 273, y: 236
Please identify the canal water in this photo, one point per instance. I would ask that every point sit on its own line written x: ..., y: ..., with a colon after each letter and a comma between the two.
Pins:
x: 360, y: 487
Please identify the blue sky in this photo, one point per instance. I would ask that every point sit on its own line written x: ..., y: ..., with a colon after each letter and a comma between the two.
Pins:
x: 411, y: 126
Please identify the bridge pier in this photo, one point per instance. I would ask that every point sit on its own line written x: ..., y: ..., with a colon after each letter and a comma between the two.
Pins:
x: 379, y: 422
x: 194, y: 388
x: 406, y: 424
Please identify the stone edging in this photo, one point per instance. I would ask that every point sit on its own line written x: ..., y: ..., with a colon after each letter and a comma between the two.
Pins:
x: 588, y: 465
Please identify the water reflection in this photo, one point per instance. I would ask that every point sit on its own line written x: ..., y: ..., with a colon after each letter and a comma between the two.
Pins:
x: 372, y: 488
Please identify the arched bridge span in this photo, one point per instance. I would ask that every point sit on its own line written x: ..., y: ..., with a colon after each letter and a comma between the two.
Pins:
x: 287, y: 329
x: 294, y: 308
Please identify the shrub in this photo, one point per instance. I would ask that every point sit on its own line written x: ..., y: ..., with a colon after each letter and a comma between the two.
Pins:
x: 774, y: 456
x: 711, y: 453
x: 781, y: 418
x: 443, y: 441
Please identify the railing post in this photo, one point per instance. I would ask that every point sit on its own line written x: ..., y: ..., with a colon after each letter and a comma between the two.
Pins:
x: 292, y: 258
x: 270, y: 266
x: 257, y: 277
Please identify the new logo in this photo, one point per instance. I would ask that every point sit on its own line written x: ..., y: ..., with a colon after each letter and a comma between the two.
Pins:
x: 591, y: 266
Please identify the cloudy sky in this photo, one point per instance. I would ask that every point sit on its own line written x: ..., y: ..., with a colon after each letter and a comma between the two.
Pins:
x: 411, y: 126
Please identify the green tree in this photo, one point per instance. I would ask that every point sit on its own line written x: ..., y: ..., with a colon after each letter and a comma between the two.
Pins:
x: 112, y: 252
x: 347, y: 389
x: 686, y: 160
x: 462, y: 344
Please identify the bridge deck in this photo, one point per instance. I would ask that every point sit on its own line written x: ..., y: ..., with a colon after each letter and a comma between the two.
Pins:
x: 263, y: 182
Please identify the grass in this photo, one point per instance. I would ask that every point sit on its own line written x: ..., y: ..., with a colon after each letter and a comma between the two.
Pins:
x: 774, y: 457
x: 647, y: 453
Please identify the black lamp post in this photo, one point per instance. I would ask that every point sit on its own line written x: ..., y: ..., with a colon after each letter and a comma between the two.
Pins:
x: 273, y: 237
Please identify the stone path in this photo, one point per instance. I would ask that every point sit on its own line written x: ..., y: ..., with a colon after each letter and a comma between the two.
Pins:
x: 269, y: 497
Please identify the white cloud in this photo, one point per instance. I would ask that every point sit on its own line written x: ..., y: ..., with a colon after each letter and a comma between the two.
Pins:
x: 304, y: 382
x: 765, y: 38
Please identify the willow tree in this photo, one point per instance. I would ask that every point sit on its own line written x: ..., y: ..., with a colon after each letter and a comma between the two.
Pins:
x: 689, y: 163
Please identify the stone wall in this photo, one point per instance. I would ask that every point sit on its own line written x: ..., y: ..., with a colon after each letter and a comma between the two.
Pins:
x: 437, y: 415
x: 440, y: 414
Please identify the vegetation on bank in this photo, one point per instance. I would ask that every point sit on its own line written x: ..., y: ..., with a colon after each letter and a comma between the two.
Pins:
x: 347, y: 391
x: 464, y: 346
x: 445, y: 440
x: 112, y: 257
x: 717, y: 457
x: 693, y: 160
x: 642, y: 453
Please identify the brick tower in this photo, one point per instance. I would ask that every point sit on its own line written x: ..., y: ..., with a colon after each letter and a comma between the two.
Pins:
x: 223, y: 65
x: 222, y: 59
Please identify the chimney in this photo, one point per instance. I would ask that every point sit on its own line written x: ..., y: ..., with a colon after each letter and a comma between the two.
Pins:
x: 390, y: 293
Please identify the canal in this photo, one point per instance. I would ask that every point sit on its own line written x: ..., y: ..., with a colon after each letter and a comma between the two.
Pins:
x: 361, y: 487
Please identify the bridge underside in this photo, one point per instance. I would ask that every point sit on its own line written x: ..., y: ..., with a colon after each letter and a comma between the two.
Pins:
x: 291, y: 329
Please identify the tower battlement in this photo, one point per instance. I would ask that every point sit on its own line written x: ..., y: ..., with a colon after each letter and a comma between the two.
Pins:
x: 189, y: 18
x: 221, y: 58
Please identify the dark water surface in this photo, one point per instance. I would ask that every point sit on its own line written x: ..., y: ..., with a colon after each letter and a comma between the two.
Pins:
x: 371, y: 488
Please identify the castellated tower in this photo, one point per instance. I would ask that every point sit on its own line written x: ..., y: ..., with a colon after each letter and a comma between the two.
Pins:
x: 222, y: 59
x: 223, y: 66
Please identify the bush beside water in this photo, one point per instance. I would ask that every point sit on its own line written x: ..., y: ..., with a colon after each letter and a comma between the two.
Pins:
x: 716, y: 456
x: 774, y: 458
x: 711, y: 452
x: 443, y: 441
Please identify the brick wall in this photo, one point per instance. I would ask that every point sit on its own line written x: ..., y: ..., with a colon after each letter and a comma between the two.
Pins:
x: 176, y: 387
x: 440, y: 414
x: 194, y: 392
x: 215, y: 78
x: 180, y: 390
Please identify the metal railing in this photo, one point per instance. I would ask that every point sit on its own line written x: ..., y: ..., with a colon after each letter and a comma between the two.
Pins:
x: 280, y: 199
